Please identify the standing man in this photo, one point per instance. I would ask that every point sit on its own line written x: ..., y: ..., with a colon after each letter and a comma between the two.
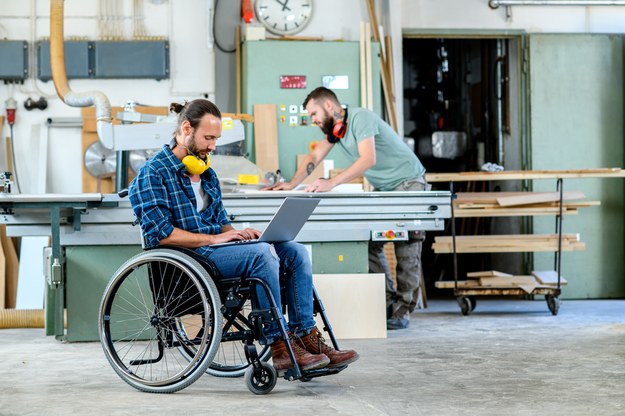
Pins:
x: 177, y: 199
x: 378, y: 153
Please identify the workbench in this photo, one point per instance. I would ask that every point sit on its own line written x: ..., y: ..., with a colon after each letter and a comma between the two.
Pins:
x: 92, y: 235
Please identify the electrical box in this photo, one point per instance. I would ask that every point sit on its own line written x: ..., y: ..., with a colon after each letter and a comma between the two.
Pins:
x: 131, y: 59
x: 77, y: 60
x: 13, y: 60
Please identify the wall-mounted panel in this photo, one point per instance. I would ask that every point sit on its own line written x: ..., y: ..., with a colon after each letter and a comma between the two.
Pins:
x: 13, y: 60
x: 77, y: 60
x: 132, y: 59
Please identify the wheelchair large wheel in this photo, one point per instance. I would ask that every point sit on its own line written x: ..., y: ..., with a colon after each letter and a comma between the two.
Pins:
x: 230, y: 360
x: 156, y: 303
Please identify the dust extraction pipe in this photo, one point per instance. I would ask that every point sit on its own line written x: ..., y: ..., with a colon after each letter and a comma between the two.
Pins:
x: 21, y: 318
x: 496, y: 3
x: 59, y: 77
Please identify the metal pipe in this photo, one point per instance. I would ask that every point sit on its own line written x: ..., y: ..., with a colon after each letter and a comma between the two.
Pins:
x: 494, y: 4
x: 104, y: 124
x: 499, y: 98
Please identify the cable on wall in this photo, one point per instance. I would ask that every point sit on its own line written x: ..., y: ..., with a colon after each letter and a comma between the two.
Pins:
x: 221, y: 48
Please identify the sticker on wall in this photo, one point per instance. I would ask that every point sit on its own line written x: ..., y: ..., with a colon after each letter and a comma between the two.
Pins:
x: 292, y: 121
x: 302, y: 109
x: 304, y: 121
x: 289, y: 82
x: 282, y: 107
x: 293, y: 109
x: 282, y: 119
x: 335, y: 82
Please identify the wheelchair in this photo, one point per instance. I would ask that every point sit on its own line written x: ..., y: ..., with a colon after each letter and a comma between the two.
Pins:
x: 167, y: 317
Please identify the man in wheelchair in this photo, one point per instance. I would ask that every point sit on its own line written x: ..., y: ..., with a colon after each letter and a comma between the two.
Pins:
x: 177, y: 199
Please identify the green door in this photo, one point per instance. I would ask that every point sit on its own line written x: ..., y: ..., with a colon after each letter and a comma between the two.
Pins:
x: 576, y: 116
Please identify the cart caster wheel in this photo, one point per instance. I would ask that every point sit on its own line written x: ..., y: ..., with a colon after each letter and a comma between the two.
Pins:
x: 553, y: 302
x: 261, y: 380
x: 473, y: 302
x: 465, y: 305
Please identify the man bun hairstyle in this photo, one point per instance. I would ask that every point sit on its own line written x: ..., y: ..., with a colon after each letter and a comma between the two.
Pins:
x: 193, y: 111
x: 321, y: 94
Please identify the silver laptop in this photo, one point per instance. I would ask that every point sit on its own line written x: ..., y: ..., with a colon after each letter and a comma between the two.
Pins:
x: 285, y: 224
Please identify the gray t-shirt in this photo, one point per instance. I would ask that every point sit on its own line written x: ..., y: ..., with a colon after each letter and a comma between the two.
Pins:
x: 395, y: 162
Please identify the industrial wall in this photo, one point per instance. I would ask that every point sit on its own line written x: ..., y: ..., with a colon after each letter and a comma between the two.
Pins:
x: 196, y: 65
x: 199, y: 69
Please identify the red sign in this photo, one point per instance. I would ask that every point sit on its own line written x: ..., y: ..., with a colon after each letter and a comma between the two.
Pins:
x: 293, y: 82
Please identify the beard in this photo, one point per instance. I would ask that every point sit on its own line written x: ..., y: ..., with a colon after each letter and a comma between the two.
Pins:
x: 327, y: 124
x: 193, y: 149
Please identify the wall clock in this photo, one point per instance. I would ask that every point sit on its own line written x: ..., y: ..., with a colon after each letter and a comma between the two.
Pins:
x: 284, y: 17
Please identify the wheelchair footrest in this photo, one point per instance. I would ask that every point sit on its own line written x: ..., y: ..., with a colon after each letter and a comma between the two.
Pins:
x: 309, y: 374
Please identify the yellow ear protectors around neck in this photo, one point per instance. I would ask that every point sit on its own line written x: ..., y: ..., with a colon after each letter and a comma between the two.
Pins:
x: 195, y: 165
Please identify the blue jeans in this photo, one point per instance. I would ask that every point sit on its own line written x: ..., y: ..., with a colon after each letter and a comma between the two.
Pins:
x: 271, y: 262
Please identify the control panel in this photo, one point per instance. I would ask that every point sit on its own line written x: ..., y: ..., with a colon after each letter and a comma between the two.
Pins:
x: 389, y: 235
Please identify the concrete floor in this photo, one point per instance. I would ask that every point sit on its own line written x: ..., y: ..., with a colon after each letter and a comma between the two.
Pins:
x: 508, y: 358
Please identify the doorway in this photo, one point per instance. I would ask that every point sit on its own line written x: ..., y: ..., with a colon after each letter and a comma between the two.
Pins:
x: 463, y: 107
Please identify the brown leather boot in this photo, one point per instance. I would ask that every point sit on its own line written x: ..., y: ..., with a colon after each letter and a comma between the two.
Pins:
x: 305, y: 360
x: 315, y: 344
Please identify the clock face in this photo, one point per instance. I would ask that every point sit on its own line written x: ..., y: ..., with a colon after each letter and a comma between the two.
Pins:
x: 284, y: 17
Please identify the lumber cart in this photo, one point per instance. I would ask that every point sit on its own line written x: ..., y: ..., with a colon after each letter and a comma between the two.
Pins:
x: 467, y: 296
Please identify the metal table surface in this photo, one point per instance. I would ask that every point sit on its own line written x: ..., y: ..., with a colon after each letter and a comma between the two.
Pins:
x: 106, y: 219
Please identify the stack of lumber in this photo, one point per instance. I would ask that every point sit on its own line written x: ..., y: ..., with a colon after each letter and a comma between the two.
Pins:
x: 520, y: 243
x: 493, y: 279
x: 498, y: 204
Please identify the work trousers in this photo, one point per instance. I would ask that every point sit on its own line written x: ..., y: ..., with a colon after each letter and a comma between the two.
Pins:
x: 405, y: 297
x: 288, y: 262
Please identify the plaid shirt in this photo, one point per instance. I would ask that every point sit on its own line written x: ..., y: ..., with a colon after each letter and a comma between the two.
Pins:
x: 162, y: 198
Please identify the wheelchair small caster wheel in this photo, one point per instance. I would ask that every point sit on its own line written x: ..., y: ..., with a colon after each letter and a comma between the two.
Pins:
x: 261, y: 380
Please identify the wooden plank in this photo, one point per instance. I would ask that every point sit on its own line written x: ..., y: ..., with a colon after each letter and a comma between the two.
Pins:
x: 488, y: 273
x: 507, y: 212
x: 389, y: 98
x: 528, y: 288
x: 388, y: 44
x: 266, y: 137
x: 449, y: 284
x: 538, y: 197
x: 548, y: 277
x: 354, y: 314
x: 11, y: 267
x: 507, y: 243
x: 510, y: 237
x: 495, y: 197
x: 525, y: 174
x: 512, y: 281
x: 368, y: 67
x: 363, y: 72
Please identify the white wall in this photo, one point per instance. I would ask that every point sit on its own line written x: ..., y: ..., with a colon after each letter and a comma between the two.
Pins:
x: 185, y: 24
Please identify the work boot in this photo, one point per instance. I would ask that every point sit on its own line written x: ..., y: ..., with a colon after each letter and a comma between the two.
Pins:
x: 305, y: 360
x: 315, y: 343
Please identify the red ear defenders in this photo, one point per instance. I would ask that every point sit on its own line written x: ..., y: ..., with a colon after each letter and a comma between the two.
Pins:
x: 338, y: 131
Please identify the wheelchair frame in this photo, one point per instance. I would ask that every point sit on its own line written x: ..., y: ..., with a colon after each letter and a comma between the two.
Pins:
x: 167, y: 316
